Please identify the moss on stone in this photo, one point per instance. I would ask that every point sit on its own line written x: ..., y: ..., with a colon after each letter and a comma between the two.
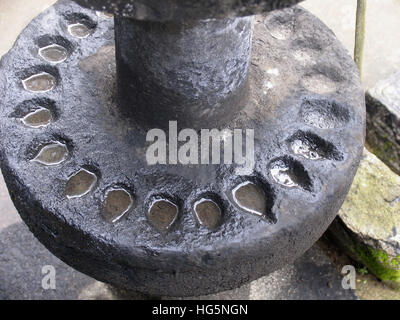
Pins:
x: 384, y: 149
x: 369, y: 209
x: 369, y: 220
x: 381, y: 264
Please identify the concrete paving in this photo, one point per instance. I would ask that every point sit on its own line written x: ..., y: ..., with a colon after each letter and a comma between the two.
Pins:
x: 311, y: 277
x: 382, y: 43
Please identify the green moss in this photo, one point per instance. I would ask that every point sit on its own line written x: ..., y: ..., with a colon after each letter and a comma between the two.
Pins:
x: 384, y: 151
x: 384, y: 148
x: 382, y: 265
x: 363, y: 271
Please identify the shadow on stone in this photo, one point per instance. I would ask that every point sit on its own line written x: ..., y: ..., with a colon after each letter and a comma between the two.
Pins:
x: 22, y: 258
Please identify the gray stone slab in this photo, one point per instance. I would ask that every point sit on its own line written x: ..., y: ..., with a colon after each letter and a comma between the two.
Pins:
x: 383, y: 121
x: 369, y: 220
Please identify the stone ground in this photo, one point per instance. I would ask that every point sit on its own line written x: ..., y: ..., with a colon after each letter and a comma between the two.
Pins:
x: 316, y: 275
x: 382, y: 44
x: 22, y: 258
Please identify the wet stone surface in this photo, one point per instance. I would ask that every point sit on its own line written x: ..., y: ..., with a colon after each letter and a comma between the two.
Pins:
x: 41, y: 82
x: 80, y: 184
x: 250, y: 197
x: 79, y: 30
x: 116, y: 204
x: 52, y: 154
x: 38, y: 118
x: 98, y: 136
x: 305, y: 149
x: 174, y: 10
x: 313, y: 147
x: 281, y: 173
x: 208, y: 213
x: 53, y: 53
x: 162, y: 215
x: 290, y: 173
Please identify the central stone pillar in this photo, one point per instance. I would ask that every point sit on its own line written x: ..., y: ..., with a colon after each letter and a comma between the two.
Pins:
x: 194, y: 72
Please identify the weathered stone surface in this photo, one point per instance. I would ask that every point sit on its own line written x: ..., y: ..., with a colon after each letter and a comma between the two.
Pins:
x: 165, y: 68
x: 167, y: 10
x: 383, y: 121
x: 381, y: 54
x: 22, y: 258
x: 368, y: 225
x: 189, y: 260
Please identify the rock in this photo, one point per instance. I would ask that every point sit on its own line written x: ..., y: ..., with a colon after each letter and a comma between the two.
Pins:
x: 383, y: 121
x: 311, y: 277
x: 22, y: 257
x: 368, y: 225
x: 188, y: 260
x: 189, y: 10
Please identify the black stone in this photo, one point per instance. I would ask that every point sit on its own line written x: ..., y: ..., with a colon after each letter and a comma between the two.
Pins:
x: 167, y: 68
x: 22, y: 257
x: 167, y: 10
x: 187, y: 260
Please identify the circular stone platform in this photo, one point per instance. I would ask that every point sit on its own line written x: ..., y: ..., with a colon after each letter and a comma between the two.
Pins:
x: 175, y: 10
x: 77, y: 172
